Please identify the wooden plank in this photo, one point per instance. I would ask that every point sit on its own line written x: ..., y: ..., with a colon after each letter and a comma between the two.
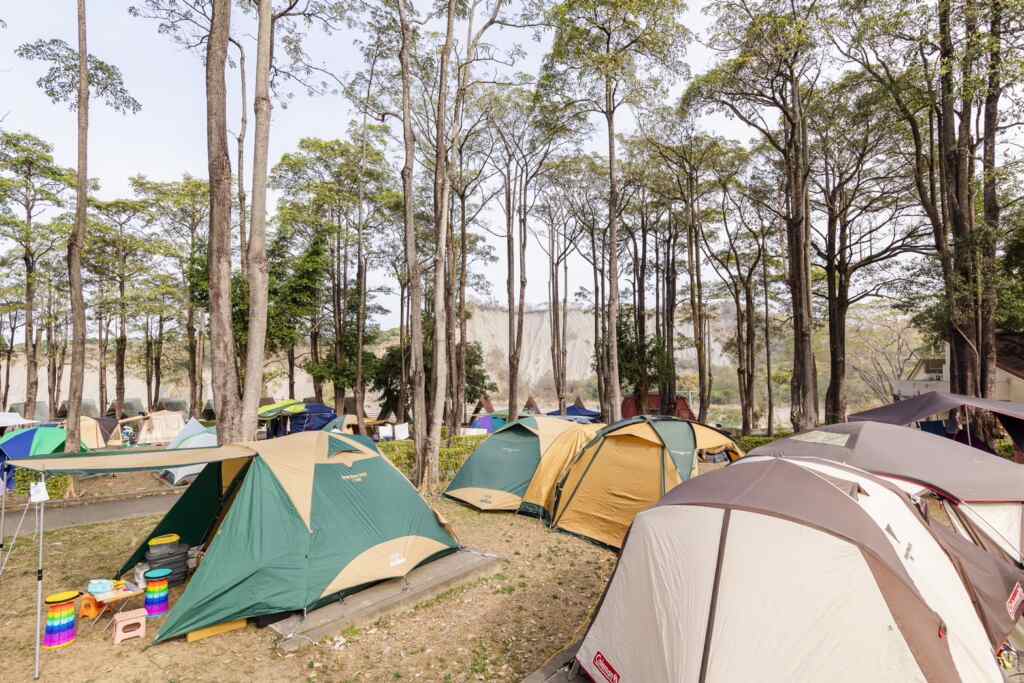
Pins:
x: 216, y: 630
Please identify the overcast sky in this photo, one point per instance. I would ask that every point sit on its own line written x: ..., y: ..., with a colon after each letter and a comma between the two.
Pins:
x: 167, y: 138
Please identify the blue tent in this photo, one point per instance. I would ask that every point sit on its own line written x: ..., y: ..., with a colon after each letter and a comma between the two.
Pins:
x: 315, y: 417
x: 579, y: 412
x: 491, y: 423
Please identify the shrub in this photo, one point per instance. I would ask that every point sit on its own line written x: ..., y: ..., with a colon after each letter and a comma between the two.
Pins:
x: 56, y: 485
x: 749, y: 443
x: 403, y: 454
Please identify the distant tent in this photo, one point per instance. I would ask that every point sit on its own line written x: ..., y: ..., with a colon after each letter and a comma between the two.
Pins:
x: 131, y: 408
x: 160, y: 427
x: 627, y: 468
x: 209, y: 411
x: 491, y: 423
x: 176, y: 404
x: 498, y: 473
x: 192, y: 435
x: 42, y: 411
x: 485, y: 405
x: 577, y: 409
x: 315, y: 417
x: 89, y: 409
x: 911, y: 410
x: 290, y: 416
x: 30, y: 443
x: 632, y: 406
x: 91, y: 432
x: 531, y: 406
x: 288, y: 524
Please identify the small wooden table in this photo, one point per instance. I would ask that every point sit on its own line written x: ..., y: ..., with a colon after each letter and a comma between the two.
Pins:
x: 114, y: 597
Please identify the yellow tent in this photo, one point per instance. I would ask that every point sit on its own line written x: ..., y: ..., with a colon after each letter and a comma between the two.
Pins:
x: 626, y: 469
x: 540, y: 495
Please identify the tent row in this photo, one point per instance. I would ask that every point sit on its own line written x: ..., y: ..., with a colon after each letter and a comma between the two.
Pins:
x: 822, y: 557
x: 590, y: 480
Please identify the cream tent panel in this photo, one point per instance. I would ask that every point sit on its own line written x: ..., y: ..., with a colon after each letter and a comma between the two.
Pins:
x: 797, y: 604
x: 548, y: 429
x: 931, y: 571
x: 652, y: 621
x: 161, y: 427
x: 1001, y: 521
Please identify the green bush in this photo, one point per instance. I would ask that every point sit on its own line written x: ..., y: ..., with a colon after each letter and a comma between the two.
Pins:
x: 749, y: 443
x: 402, y: 454
x: 57, y: 485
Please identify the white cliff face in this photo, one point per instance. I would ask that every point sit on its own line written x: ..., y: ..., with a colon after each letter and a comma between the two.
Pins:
x: 489, y: 326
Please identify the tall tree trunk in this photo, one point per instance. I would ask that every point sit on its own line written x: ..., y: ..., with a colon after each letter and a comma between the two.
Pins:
x: 419, y: 399
x: 257, y: 248
x: 614, y: 389
x: 120, y: 353
x: 195, y: 371
x: 243, y: 125
x: 102, y: 348
x: 697, y: 312
x: 158, y: 352
x: 314, y: 358
x: 804, y: 394
x: 75, y: 241
x: 403, y: 342
x: 291, y: 371
x: 990, y: 198
x: 767, y: 338
x: 511, y: 197
x: 431, y: 467
x: 31, y: 345
x: 222, y: 343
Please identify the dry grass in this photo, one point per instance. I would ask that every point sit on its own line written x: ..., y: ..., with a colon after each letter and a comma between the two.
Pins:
x: 494, y: 629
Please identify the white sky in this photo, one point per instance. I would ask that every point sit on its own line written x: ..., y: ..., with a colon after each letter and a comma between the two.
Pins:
x: 168, y: 137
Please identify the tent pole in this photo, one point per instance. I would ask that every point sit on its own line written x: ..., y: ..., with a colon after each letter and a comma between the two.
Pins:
x: 39, y: 579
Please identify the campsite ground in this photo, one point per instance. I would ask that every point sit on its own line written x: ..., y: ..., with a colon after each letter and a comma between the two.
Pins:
x: 498, y: 628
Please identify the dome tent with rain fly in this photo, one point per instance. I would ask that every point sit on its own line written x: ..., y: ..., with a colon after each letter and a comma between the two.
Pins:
x: 496, y: 476
x: 296, y: 522
x: 978, y: 490
x: 782, y: 571
x: 627, y: 468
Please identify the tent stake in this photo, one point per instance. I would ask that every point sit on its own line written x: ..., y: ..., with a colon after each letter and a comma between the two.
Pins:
x: 39, y: 579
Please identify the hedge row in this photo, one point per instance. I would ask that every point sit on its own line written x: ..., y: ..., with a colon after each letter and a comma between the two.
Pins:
x: 402, y: 454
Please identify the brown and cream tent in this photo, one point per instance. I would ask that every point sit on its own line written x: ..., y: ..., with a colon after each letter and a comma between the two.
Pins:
x: 627, y: 468
x: 780, y: 571
x: 976, y: 488
x: 160, y: 427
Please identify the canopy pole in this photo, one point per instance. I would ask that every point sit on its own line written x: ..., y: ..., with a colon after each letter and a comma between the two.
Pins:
x: 3, y: 506
x: 39, y: 578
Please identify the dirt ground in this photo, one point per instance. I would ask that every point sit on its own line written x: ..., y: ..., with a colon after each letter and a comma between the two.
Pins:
x: 498, y: 628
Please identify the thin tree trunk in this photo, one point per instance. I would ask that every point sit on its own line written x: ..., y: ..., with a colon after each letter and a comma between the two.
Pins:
x: 75, y: 242
x: 225, y: 381
x: 767, y: 339
x: 256, y: 340
x: 291, y: 371
x: 243, y: 125
x: 411, y: 255
x: 31, y: 345
x: 613, y: 388
x: 431, y: 470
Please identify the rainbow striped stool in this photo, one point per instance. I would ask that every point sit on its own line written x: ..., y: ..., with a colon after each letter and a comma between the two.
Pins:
x: 61, y: 623
x: 157, y: 592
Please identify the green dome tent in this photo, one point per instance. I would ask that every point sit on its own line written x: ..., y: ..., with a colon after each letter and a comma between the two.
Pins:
x: 289, y: 523
x: 498, y: 473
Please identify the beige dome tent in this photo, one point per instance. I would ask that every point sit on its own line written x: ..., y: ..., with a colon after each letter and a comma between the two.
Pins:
x: 783, y: 571
x: 160, y: 427
x: 977, y: 489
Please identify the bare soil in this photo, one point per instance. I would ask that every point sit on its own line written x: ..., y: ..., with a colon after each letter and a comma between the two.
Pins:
x: 498, y: 628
